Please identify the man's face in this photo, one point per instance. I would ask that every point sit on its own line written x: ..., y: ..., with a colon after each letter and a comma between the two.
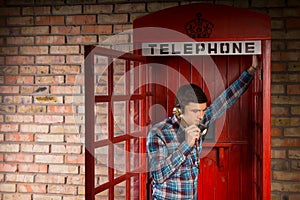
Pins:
x: 193, y: 113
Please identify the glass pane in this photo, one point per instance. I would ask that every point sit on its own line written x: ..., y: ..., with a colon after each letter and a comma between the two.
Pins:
x: 102, y: 195
x: 101, y: 121
x: 135, y: 116
x: 119, y: 118
x: 119, y: 159
x: 101, y: 165
x: 134, y: 187
x: 119, y: 77
x: 101, y: 75
x: 120, y: 191
x: 134, y: 154
x: 134, y: 78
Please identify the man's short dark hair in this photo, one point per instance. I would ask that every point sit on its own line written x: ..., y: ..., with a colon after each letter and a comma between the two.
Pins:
x: 189, y: 93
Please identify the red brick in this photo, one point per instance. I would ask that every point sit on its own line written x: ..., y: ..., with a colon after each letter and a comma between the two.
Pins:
x: 286, y: 176
x: 74, y: 159
x: 19, y: 118
x: 62, y: 189
x: 53, y: 179
x: 19, y: 79
x: 20, y: 40
x: 34, y: 128
x: 280, y: 111
x: 61, y: 109
x: 9, y: 148
x: 50, y: 40
x: 34, y: 89
x: 69, y: 30
x: 33, y: 168
x: 285, y: 142
x: 31, y: 109
x: 75, y: 180
x: 64, y: 49
x: 15, y: 60
x: 63, y: 169
x: 8, y: 187
x: 96, y: 9
x: 9, y: 89
x: 66, y: 10
x: 57, y: 159
x: 48, y: 99
x: 75, y: 79
x: 48, y: 119
x: 279, y: 154
x: 19, y: 178
x: 293, y: 89
x: 32, y: 188
x: 33, y: 50
x: 8, y: 11
x: 18, y: 158
x: 50, y: 59
x: 82, y: 39
x: 49, y: 79
x: 49, y: 138
x: 8, y: 167
x: 97, y: 29
x: 155, y: 6
x: 74, y: 59
x: 9, y: 127
x: 18, y: 137
x: 65, y: 90
x: 65, y: 69
x: 20, y: 21
x: 51, y: 20
x: 81, y: 19
x: 8, y: 50
x: 44, y: 10
x: 34, y: 69
x: 35, y: 30
x: 35, y: 148
x: 14, y: 196
x: 130, y: 7
x: 112, y: 18
x: 66, y: 149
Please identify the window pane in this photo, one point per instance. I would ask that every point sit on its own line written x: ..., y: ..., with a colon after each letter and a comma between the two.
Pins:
x: 119, y: 159
x: 120, y: 191
x: 134, y: 154
x: 135, y: 116
x: 134, y: 187
x: 101, y: 118
x: 134, y: 78
x: 119, y: 77
x: 101, y: 165
x: 119, y: 118
x: 101, y: 75
x: 102, y: 195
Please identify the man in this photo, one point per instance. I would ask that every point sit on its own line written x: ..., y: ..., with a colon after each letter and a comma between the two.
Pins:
x: 174, y: 144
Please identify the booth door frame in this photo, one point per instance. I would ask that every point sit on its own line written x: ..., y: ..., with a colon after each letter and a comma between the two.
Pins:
x: 137, y: 173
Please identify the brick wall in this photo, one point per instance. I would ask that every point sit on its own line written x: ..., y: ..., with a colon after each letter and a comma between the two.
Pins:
x: 41, y: 110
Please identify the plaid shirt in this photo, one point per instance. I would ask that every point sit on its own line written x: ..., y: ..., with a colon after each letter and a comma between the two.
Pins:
x: 173, y: 163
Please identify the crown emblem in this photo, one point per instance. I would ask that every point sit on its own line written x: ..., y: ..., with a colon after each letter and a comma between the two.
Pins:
x: 199, y: 27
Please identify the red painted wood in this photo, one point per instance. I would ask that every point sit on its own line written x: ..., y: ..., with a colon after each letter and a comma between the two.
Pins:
x: 138, y: 174
x: 240, y: 24
x: 245, y: 135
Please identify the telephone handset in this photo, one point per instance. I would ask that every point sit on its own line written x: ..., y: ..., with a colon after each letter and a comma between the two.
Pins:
x: 178, y: 113
x: 203, y: 130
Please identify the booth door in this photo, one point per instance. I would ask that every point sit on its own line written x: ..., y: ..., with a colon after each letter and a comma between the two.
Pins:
x: 226, y: 169
x: 115, y: 121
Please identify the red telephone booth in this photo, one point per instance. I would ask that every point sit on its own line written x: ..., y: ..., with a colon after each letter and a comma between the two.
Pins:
x: 206, y: 44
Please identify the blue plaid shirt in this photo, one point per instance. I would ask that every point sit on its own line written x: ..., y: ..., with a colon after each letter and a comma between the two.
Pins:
x: 173, y: 163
